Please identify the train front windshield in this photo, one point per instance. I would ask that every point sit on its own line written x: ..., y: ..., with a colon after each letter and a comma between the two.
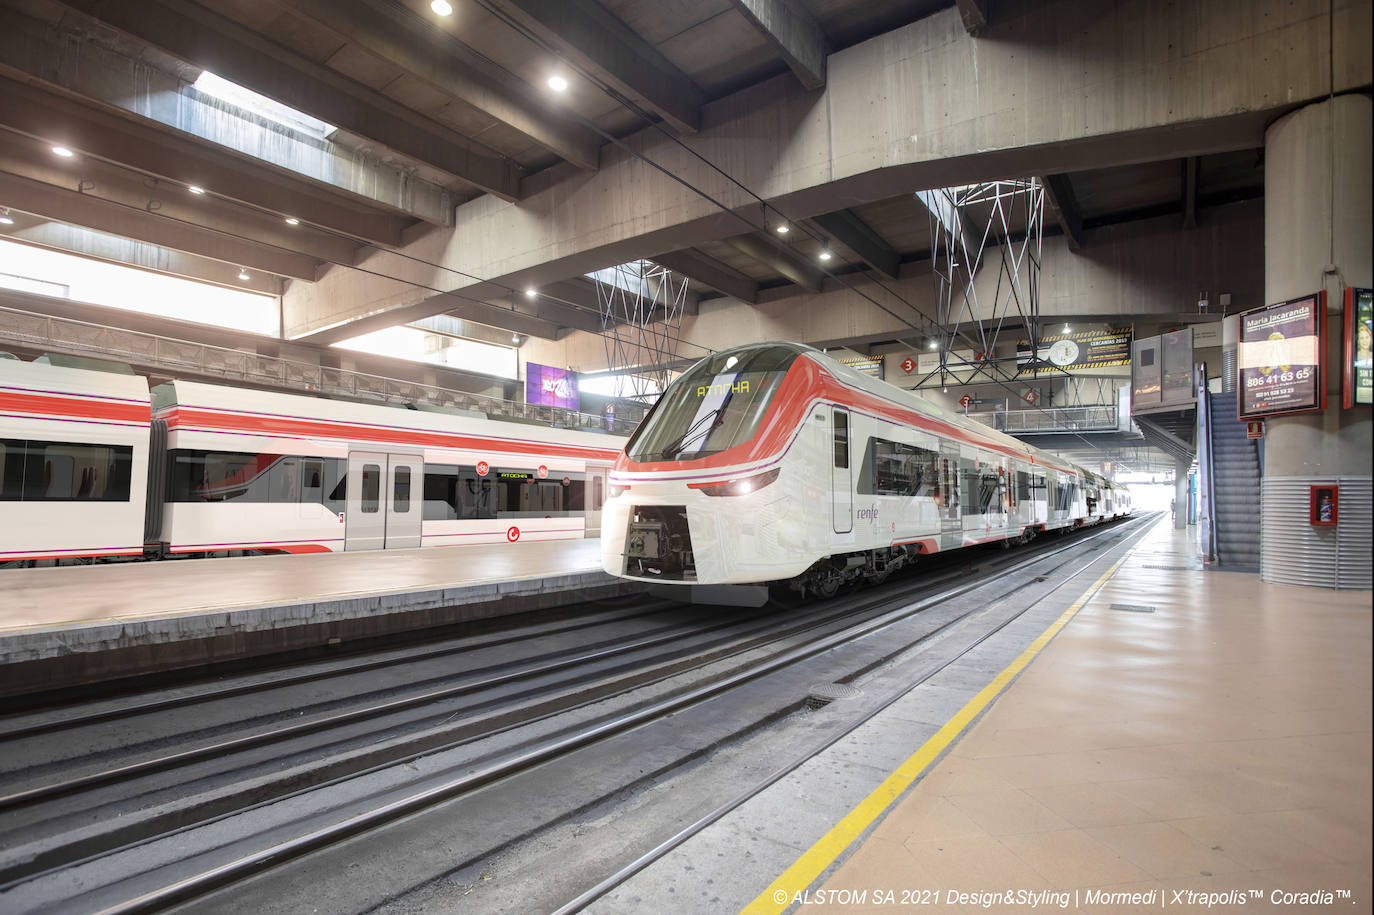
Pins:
x: 714, y: 405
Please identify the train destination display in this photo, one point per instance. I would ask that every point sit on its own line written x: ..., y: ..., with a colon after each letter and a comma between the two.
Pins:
x: 1281, y: 357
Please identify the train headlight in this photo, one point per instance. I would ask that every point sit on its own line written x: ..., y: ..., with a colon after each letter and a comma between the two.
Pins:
x: 740, y: 487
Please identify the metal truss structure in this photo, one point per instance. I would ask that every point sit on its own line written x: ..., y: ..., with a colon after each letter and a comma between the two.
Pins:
x: 641, y: 307
x: 971, y: 227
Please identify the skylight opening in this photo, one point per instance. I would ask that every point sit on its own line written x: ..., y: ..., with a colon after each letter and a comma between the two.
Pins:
x: 264, y: 107
x: 417, y: 345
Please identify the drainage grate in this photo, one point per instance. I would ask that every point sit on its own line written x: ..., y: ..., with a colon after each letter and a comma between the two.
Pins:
x: 1134, y: 608
x: 826, y: 693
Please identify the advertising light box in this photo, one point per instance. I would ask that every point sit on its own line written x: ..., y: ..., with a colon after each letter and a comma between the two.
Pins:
x: 550, y: 386
x: 1358, y: 359
x: 1281, y: 349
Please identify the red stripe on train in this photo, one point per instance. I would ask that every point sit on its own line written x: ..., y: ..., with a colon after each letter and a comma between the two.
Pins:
x: 180, y: 417
x: 46, y: 407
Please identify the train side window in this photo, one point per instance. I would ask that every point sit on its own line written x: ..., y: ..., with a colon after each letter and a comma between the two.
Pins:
x: 441, y: 493
x: 12, y: 465
x: 312, y: 482
x: 1023, y: 485
x: 284, y: 480
x: 400, y: 490
x: 371, y: 495
x: 841, y: 439
x: 336, y: 484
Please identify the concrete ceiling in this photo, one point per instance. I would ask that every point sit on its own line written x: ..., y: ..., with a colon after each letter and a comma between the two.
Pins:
x: 435, y: 111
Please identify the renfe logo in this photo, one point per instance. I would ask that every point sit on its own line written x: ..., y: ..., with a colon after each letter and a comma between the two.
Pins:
x: 870, y: 514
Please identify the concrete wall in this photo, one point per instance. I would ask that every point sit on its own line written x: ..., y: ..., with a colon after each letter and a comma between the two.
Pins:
x: 1051, y: 87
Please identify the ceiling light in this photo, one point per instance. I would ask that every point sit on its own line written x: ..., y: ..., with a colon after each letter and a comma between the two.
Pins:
x: 782, y: 229
x: 558, y: 83
x: 244, y: 274
x: 825, y: 255
x: 196, y: 190
x: 529, y: 293
x: 934, y: 344
x: 62, y: 151
x: 5, y: 218
x: 515, y: 338
x: 441, y: 7
x: 292, y: 221
x: 1066, y: 328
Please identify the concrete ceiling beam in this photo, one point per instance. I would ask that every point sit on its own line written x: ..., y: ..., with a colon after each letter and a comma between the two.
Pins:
x: 592, y: 38
x: 429, y: 52
x: 796, y: 36
x: 974, y: 14
x: 204, y: 38
x: 710, y: 273
x: 1059, y: 195
x: 1189, y: 170
x: 852, y: 232
x: 70, y: 206
x: 83, y: 242
x: 777, y: 256
x: 26, y: 158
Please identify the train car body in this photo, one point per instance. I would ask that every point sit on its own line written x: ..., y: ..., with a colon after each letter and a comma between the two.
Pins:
x: 96, y: 466
x: 74, y: 453
x: 773, y: 462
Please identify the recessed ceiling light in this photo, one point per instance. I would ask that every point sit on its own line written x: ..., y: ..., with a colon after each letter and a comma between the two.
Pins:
x: 62, y: 151
x: 196, y: 190
x: 529, y: 293
x: 244, y: 274
x: 292, y: 221
x: 825, y: 255
x: 558, y: 83
x: 441, y: 7
x: 782, y: 229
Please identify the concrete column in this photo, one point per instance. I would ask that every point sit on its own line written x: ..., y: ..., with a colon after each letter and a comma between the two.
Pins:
x: 1317, y: 235
x: 1181, y: 467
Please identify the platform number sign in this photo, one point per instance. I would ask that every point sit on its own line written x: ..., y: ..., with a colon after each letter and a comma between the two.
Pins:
x: 908, y: 365
x: 482, y: 468
x: 513, y: 534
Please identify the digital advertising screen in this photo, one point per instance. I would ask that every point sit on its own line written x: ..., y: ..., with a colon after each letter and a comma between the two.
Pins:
x: 550, y: 387
x: 1281, y: 357
x: 1358, y: 383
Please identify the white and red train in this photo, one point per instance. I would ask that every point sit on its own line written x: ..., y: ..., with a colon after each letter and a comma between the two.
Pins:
x: 96, y: 465
x: 773, y: 462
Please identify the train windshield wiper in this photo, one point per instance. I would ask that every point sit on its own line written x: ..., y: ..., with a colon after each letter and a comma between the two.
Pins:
x: 693, y: 433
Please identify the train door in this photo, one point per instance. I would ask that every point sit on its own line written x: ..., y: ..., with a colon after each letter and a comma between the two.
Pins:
x: 384, y: 498
x: 841, y: 483
x: 595, y: 497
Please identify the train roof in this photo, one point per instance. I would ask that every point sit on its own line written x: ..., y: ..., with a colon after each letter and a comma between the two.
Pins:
x: 43, y: 377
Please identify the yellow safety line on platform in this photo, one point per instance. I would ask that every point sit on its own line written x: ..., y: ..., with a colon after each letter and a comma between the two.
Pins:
x: 804, y: 871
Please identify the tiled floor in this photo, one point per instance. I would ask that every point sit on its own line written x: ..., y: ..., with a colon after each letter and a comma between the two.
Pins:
x: 1221, y: 742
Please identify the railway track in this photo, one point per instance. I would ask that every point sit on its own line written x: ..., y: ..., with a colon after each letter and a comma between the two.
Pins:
x: 147, y: 830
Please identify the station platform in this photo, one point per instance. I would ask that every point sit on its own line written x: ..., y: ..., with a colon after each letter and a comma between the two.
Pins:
x: 80, y: 624
x: 1189, y: 739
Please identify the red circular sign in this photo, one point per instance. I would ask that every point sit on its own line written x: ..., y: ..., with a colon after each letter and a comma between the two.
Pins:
x: 513, y: 534
x: 482, y: 468
x: 965, y: 400
x: 908, y: 366
x: 567, y: 481
x: 543, y: 471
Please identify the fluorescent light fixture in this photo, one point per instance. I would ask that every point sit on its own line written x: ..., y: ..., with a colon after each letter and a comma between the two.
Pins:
x: 262, y: 106
x: 244, y: 274
x: 196, y: 190
x: 825, y: 255
x: 558, y: 83
x: 62, y: 151
x: 782, y: 229
x: 441, y: 7
x: 292, y: 221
